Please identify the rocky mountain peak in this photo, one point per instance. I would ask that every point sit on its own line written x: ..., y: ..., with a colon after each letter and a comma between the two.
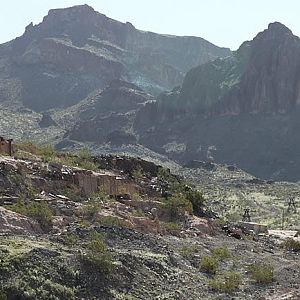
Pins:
x: 70, y: 14
x: 278, y: 28
x: 77, y: 9
x: 276, y: 33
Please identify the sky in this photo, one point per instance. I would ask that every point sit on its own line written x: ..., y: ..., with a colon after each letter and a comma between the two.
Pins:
x: 226, y: 23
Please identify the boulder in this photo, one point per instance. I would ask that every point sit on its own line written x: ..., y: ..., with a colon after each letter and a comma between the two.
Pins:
x: 202, y: 225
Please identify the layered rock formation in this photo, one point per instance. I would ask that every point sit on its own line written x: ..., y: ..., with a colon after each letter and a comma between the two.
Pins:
x: 76, y: 50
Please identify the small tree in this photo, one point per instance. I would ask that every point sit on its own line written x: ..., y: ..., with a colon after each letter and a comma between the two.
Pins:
x: 197, y: 200
x: 177, y: 205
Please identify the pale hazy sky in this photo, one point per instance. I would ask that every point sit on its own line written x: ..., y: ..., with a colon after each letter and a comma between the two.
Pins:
x: 223, y: 22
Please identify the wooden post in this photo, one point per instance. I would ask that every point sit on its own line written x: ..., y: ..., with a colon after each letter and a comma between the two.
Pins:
x: 10, y: 147
x: 282, y: 223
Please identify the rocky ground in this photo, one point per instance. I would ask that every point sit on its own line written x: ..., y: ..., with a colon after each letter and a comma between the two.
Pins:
x: 64, y: 238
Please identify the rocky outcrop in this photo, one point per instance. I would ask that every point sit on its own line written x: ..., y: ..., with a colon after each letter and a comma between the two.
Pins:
x: 271, y: 79
x: 77, y: 50
x: 14, y: 223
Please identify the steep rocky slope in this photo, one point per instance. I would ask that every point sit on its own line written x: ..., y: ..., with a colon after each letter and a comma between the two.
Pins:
x: 109, y: 116
x: 76, y: 50
x: 99, y: 228
x: 245, y: 107
x: 262, y: 76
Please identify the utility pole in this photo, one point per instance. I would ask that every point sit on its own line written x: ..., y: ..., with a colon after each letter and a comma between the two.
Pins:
x: 292, y: 205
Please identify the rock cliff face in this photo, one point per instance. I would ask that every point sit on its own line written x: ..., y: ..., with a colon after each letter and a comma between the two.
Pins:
x: 261, y: 76
x: 245, y: 107
x: 76, y: 50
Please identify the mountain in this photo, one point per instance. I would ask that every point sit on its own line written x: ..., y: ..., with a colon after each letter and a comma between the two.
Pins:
x: 77, y: 50
x: 85, y: 78
x: 240, y: 110
x: 109, y: 114
x: 262, y: 76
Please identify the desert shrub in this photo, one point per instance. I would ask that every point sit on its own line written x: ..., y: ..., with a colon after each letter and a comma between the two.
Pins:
x: 89, y: 211
x: 28, y: 146
x: 197, y: 200
x: 112, y: 221
x: 292, y: 245
x: 82, y: 159
x: 99, y: 197
x: 261, y: 273
x: 70, y: 239
x: 189, y: 251
x: 39, y: 211
x: 85, y: 160
x: 74, y: 193
x: 171, y: 227
x: 23, y: 185
x: 164, y: 174
x: 97, y: 255
x: 227, y: 282
x: 58, y: 290
x: 138, y: 173
x: 221, y: 253
x: 209, y: 264
x: 138, y: 213
x: 177, y: 205
x: 47, y: 152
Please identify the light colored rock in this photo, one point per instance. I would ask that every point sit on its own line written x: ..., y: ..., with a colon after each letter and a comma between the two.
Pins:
x: 14, y: 223
x: 255, y: 227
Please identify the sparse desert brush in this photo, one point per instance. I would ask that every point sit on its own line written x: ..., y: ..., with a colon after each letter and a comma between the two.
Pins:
x: 70, y: 239
x: 221, y: 253
x: 209, y: 264
x: 39, y: 211
x: 262, y: 273
x: 171, y: 227
x: 97, y: 256
x: 197, y: 200
x: 227, y: 282
x: 177, y: 205
x: 112, y: 221
x: 292, y: 245
x: 189, y: 251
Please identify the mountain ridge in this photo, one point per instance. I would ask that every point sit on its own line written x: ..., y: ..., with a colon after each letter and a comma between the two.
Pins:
x: 76, y: 50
